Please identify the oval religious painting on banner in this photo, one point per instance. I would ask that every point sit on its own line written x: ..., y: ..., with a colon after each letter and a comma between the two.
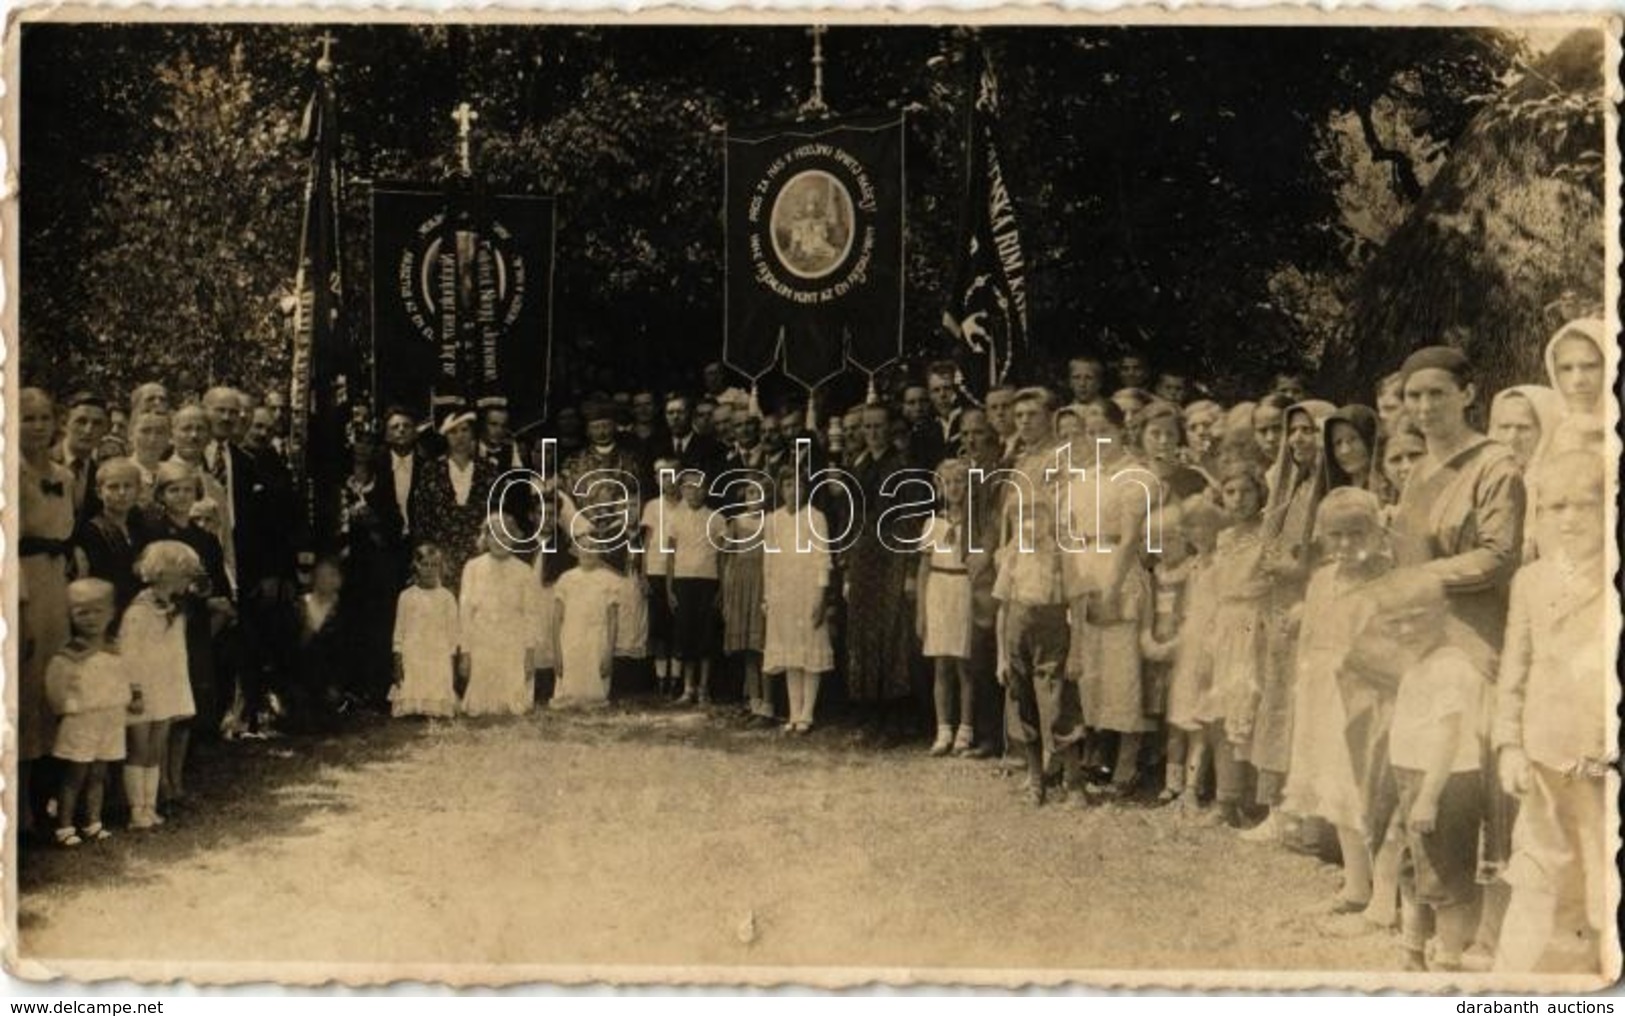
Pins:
x: 812, y: 224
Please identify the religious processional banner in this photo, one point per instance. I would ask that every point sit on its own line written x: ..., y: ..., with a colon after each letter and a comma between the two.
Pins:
x: 814, y: 248
x: 987, y: 308
x: 462, y: 299
x: 322, y: 352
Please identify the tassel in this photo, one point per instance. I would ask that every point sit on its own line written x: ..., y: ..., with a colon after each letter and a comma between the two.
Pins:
x: 755, y: 406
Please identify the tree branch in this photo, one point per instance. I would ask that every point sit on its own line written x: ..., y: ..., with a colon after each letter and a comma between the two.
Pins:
x: 1402, y: 174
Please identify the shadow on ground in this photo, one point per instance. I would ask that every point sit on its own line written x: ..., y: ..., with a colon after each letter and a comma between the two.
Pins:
x: 247, y: 790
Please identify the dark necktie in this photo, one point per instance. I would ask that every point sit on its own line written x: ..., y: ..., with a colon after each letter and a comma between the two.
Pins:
x: 78, y: 484
x: 218, y: 470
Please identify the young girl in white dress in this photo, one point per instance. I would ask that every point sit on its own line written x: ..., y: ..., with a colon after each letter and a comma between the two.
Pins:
x: 499, y: 618
x: 426, y: 640
x: 152, y: 640
x: 943, y: 614
x: 795, y: 573
x: 586, y: 604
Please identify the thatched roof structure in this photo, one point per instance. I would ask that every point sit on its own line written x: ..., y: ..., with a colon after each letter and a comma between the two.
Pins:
x: 1505, y: 243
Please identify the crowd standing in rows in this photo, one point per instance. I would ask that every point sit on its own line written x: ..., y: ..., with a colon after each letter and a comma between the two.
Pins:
x: 1280, y: 616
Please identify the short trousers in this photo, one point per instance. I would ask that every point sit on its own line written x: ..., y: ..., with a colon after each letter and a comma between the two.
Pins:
x: 1440, y: 868
x: 660, y: 616
x: 95, y: 736
x: 696, y: 619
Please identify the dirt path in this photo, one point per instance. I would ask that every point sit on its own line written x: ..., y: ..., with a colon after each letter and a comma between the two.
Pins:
x: 650, y: 837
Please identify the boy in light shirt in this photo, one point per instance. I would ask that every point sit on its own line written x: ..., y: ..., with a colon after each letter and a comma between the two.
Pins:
x: 1043, y: 713
x: 1555, y: 693
x: 1435, y: 751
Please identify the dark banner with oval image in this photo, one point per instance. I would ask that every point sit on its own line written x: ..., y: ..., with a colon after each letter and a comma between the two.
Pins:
x: 814, y: 222
x: 461, y: 299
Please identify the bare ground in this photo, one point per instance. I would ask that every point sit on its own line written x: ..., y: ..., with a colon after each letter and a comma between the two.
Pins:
x: 645, y: 836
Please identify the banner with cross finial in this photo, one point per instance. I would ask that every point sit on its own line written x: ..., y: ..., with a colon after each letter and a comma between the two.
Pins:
x: 814, y: 248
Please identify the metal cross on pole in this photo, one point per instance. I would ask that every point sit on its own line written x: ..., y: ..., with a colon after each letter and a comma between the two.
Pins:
x: 815, y: 106
x: 465, y: 116
x: 324, y: 63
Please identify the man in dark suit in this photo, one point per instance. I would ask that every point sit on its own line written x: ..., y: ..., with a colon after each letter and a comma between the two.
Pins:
x: 256, y: 529
x: 268, y: 459
x: 497, y: 445
x: 680, y: 442
x: 85, y: 424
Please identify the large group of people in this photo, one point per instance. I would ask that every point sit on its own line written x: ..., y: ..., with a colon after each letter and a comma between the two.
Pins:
x: 1376, y: 629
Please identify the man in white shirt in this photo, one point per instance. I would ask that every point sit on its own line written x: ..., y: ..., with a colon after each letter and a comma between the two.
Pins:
x: 401, y: 438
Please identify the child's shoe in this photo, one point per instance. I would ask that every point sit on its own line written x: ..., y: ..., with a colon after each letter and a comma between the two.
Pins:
x: 67, y: 836
x: 964, y: 740
x: 95, y: 833
x: 141, y: 818
x: 944, y: 742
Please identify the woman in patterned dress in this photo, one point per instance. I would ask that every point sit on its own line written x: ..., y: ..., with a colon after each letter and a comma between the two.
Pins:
x: 449, y: 508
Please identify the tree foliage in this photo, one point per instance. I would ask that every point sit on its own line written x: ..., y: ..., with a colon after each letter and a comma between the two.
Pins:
x: 1213, y: 193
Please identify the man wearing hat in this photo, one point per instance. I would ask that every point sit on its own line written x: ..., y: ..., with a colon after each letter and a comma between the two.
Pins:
x: 606, y: 454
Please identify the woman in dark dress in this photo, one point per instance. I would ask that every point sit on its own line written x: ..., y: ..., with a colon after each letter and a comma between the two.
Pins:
x: 449, y: 508
x: 371, y: 527
x: 109, y: 539
x: 879, y: 616
x: 1461, y: 517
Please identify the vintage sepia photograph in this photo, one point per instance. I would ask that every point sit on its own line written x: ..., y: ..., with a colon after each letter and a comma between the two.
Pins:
x: 730, y: 500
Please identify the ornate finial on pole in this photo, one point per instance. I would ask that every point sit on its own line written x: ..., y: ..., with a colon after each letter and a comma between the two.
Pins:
x: 324, y: 63
x: 465, y: 116
x: 814, y: 106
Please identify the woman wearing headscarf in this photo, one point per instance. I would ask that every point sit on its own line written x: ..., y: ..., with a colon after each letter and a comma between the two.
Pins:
x: 1526, y: 419
x: 1296, y: 485
x: 1461, y: 517
x: 1578, y: 369
x: 1350, y: 446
